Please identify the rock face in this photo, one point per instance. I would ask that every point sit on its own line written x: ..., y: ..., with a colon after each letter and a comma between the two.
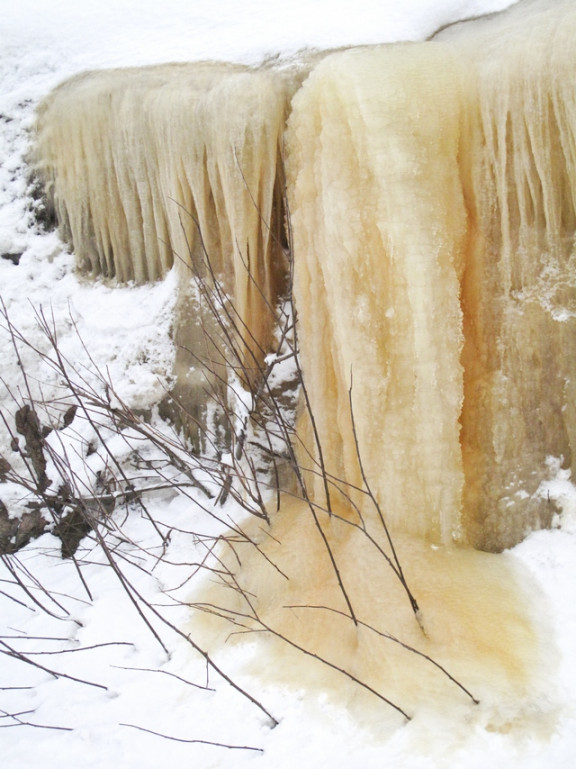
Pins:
x: 431, y: 190
x: 17, y: 532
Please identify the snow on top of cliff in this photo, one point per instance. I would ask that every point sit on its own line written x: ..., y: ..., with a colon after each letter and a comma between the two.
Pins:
x: 44, y: 41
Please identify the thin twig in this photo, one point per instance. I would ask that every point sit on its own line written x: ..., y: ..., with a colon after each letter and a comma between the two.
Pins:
x: 193, y: 741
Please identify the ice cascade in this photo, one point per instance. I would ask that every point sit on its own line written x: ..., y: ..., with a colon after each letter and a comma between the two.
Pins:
x: 431, y: 191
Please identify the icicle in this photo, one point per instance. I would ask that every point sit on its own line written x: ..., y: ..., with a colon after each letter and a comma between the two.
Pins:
x: 177, y: 164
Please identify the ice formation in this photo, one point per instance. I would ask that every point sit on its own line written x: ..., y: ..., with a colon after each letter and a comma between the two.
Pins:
x: 152, y: 167
x: 518, y: 166
x: 482, y: 616
x: 431, y: 191
x: 433, y: 214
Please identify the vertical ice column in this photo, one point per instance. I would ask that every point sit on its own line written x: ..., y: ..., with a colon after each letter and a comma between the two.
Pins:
x: 379, y: 227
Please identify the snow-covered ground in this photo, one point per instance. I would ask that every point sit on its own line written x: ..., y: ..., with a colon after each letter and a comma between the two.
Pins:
x: 118, y: 681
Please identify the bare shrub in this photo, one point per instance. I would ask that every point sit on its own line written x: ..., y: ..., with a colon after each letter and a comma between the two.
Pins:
x: 253, y: 461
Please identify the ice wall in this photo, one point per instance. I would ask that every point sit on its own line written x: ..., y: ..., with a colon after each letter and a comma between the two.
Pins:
x: 433, y: 213
x: 431, y: 191
x: 518, y: 160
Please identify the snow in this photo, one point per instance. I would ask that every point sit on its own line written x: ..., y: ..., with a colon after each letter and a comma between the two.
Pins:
x: 117, y: 681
